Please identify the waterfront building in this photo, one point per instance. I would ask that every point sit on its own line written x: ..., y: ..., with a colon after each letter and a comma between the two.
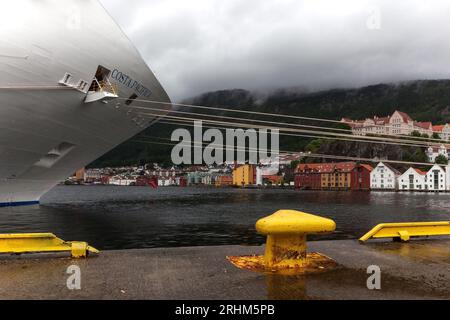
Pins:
x: 333, y: 176
x: 244, y: 175
x: 308, y: 176
x: 80, y: 175
x: 412, y: 180
x: 384, y: 177
x: 360, y: 177
x: 167, y: 181
x: 274, y: 180
x: 163, y: 182
x: 210, y: 178
x: 259, y: 176
x: 207, y: 179
x: 337, y: 176
x: 270, y: 174
x: 224, y: 180
x: 194, y: 178
x: 93, y: 175
x: 181, y: 181
x: 142, y: 181
x: 105, y: 180
x: 165, y: 173
x: 447, y: 177
x: 121, y: 181
x: 435, y: 179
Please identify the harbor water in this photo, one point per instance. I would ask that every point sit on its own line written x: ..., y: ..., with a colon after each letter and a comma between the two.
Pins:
x: 111, y: 217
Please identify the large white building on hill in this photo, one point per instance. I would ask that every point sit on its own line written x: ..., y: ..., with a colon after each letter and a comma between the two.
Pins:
x: 443, y: 131
x: 396, y: 124
x: 447, y: 178
x: 400, y: 123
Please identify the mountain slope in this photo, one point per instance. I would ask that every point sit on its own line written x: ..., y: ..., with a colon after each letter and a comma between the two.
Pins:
x: 424, y: 100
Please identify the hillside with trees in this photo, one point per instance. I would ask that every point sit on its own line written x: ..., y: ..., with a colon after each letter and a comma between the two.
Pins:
x: 424, y: 100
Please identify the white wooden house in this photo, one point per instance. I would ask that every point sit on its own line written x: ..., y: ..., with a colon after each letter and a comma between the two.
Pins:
x: 447, y: 177
x: 412, y: 180
x: 435, y: 179
x: 384, y: 177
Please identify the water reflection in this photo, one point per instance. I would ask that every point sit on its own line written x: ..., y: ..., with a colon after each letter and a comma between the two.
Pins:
x: 286, y: 287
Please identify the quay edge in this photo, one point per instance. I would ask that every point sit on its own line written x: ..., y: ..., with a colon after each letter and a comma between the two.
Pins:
x: 416, y: 270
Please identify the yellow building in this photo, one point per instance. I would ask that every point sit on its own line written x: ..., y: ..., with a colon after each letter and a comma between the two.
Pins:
x: 336, y: 180
x: 80, y: 175
x: 244, y: 175
x: 337, y: 175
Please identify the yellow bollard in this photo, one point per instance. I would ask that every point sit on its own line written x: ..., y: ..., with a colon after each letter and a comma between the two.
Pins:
x: 81, y: 249
x: 403, y: 231
x: 42, y: 242
x: 285, y: 252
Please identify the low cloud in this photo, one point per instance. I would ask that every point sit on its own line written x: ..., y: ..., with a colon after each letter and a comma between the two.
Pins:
x: 204, y: 45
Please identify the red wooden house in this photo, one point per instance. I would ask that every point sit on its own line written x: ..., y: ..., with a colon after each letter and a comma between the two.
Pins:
x: 360, y: 177
x: 308, y: 176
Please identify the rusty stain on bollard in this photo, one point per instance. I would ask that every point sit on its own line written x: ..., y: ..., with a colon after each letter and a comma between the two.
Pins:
x: 285, y: 252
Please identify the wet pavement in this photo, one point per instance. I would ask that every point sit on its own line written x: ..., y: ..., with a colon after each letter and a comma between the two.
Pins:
x: 416, y: 270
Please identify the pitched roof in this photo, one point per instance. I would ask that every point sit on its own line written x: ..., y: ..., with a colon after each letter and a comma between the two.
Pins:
x: 437, y: 165
x: 383, y: 120
x: 327, y: 167
x: 404, y: 116
x: 424, y: 125
x: 392, y: 168
x: 273, y: 177
x: 310, y: 166
x: 367, y: 166
x: 438, y: 127
x: 343, y: 166
x: 420, y: 171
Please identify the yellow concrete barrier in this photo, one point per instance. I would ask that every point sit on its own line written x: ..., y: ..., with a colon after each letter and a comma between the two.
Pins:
x: 285, y: 251
x: 405, y: 230
x: 42, y: 242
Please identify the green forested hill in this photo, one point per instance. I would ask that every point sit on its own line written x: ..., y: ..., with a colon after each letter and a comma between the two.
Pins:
x: 425, y: 100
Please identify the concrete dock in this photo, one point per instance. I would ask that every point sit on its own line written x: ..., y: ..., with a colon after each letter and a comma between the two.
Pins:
x: 416, y: 270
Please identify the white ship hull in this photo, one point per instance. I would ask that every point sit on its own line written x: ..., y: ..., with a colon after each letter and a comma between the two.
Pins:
x: 47, y: 130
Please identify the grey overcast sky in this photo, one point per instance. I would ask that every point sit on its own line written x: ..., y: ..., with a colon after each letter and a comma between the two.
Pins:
x: 203, y: 45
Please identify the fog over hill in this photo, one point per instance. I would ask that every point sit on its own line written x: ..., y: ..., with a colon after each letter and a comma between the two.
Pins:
x: 423, y: 100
